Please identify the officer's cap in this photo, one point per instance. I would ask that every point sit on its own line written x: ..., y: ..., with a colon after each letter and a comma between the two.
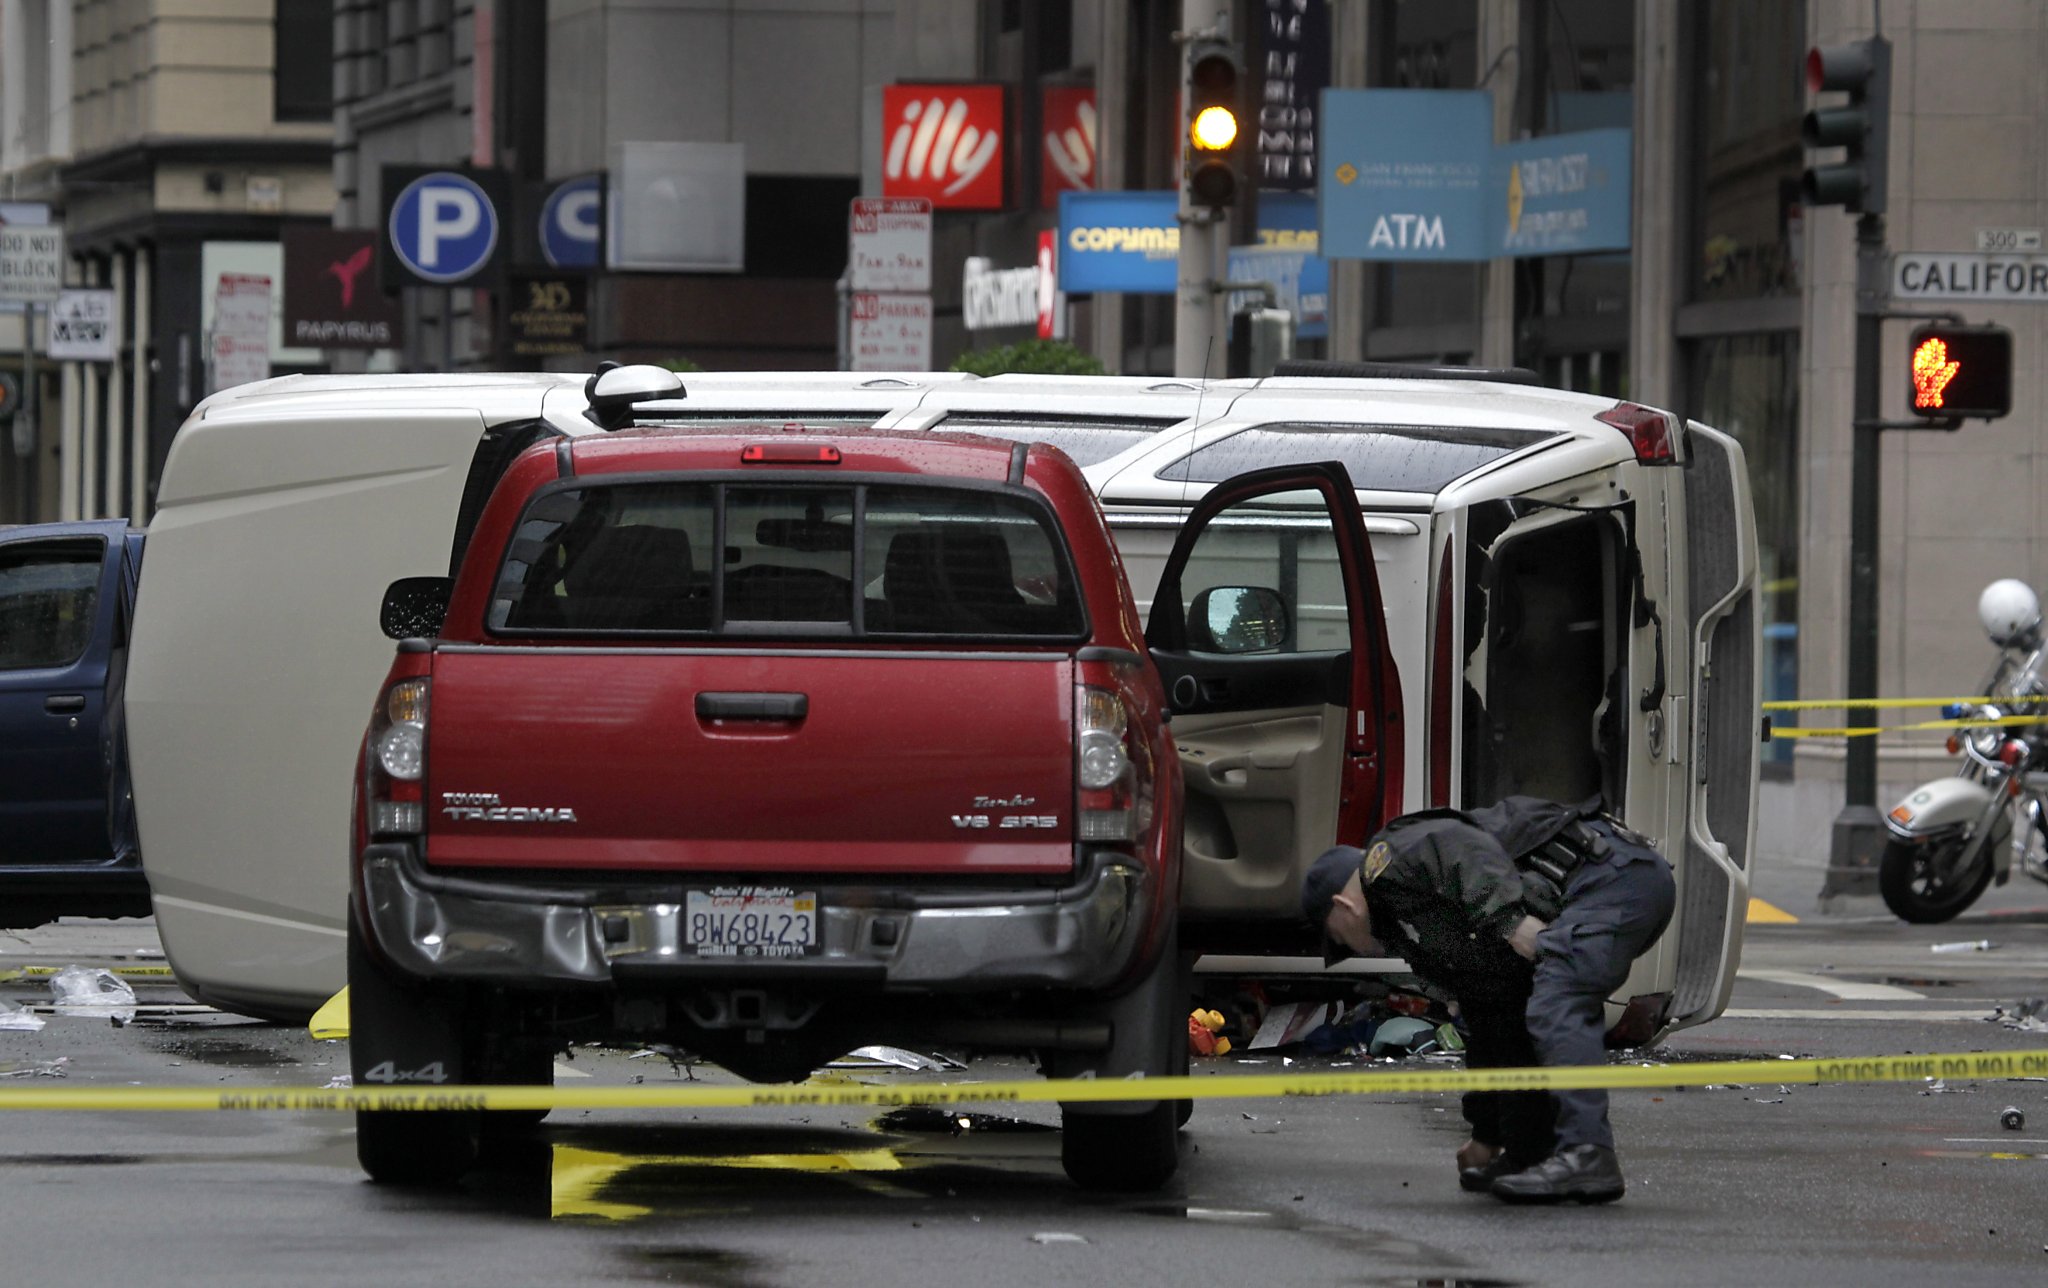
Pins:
x: 1326, y: 876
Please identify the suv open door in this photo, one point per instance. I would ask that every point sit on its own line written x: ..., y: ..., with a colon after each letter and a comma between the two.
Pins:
x: 67, y: 835
x: 1269, y: 633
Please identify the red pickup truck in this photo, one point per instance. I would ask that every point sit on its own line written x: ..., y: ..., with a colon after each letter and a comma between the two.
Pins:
x: 775, y: 744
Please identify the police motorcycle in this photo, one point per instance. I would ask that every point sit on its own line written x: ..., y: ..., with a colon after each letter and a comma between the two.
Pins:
x: 1952, y: 837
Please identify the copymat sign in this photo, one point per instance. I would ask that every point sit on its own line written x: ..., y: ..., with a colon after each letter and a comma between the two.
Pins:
x: 944, y: 143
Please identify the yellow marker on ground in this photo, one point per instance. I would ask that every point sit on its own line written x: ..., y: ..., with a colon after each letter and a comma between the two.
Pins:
x: 1768, y: 914
x: 331, y: 1020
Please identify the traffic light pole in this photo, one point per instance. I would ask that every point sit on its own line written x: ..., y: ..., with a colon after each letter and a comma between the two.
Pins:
x: 1858, y: 838
x: 1199, y: 327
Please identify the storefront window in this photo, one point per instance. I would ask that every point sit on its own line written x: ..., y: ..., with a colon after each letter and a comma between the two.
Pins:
x: 1749, y: 99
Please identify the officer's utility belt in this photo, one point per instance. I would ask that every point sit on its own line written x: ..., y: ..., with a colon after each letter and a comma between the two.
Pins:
x: 1561, y: 855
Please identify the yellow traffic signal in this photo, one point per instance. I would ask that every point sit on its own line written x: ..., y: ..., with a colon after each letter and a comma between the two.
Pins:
x: 1214, y: 138
x: 1215, y: 129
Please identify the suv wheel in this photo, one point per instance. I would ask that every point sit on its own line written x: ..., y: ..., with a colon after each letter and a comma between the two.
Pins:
x: 405, y: 1033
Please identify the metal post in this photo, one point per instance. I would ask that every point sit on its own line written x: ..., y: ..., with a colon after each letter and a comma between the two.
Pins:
x: 1858, y: 837
x: 1198, y: 317
x: 31, y: 407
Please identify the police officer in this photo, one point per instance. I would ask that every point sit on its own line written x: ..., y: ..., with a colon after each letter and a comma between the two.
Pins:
x: 1562, y: 887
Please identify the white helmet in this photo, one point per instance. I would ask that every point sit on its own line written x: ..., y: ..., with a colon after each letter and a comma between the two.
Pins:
x: 2011, y: 612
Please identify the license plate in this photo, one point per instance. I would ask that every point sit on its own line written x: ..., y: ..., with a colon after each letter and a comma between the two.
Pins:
x: 751, y: 921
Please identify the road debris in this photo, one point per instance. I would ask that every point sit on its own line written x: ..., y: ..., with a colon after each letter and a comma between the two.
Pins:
x: 19, y: 1018
x: 1963, y: 946
x: 888, y: 1057
x: 2012, y: 1119
x: 1057, y: 1236
x: 95, y: 991
x: 2029, y: 1015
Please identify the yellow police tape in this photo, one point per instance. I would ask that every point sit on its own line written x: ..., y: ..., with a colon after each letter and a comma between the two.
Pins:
x: 1889, y: 1068
x: 138, y: 972
x: 1830, y: 704
x: 1868, y: 731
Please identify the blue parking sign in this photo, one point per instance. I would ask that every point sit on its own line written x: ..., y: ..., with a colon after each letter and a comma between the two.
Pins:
x: 570, y: 221
x: 442, y: 225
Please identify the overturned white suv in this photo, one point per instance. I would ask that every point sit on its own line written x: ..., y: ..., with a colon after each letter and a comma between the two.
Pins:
x: 1569, y: 587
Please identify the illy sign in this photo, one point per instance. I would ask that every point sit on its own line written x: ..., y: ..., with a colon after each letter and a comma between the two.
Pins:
x: 944, y: 142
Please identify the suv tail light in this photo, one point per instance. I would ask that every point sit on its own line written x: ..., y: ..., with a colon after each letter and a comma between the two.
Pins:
x: 396, y: 761
x: 1653, y: 433
x: 1112, y: 777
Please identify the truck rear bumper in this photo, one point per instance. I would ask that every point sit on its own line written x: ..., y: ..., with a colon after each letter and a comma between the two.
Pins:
x: 1088, y: 935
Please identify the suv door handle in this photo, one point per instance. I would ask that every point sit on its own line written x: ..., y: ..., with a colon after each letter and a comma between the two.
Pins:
x: 64, y: 704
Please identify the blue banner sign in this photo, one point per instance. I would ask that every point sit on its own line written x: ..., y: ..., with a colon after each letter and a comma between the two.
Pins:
x: 1411, y: 174
x: 1563, y: 194
x: 1286, y: 255
x: 1119, y: 241
x: 1130, y: 242
x: 1403, y: 173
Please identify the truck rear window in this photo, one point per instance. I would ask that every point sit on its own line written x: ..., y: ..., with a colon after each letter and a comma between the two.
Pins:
x: 791, y: 559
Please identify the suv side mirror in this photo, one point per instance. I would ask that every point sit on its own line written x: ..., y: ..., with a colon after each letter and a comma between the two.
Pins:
x: 1239, y: 619
x: 415, y: 607
x: 612, y: 390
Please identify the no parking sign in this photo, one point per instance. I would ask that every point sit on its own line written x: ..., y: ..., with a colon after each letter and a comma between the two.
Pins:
x: 443, y: 225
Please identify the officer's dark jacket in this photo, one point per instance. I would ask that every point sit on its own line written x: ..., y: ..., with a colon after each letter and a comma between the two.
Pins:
x: 1443, y: 890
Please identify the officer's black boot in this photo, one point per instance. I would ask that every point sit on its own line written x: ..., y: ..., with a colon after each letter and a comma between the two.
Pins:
x: 1480, y: 1179
x: 1587, y: 1173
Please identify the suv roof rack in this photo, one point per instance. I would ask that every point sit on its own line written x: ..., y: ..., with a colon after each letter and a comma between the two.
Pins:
x: 1329, y: 367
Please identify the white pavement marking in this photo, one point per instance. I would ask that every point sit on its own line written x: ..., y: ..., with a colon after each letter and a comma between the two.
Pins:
x: 1847, y: 990
x: 564, y: 1071
x: 1840, y: 1013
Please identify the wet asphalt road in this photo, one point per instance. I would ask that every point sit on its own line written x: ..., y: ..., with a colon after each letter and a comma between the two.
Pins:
x: 1764, y: 1184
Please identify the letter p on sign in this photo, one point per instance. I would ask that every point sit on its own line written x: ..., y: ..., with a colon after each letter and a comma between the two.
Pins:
x: 443, y: 227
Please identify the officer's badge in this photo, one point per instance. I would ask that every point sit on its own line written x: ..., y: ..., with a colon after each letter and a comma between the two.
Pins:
x: 1376, y: 861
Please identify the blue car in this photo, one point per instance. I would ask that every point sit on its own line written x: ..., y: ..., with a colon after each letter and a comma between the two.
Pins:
x: 67, y: 817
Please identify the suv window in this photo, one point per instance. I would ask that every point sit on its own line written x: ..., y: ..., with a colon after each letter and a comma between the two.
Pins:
x: 1381, y: 458
x: 787, y: 559
x: 47, y: 598
x: 1088, y: 439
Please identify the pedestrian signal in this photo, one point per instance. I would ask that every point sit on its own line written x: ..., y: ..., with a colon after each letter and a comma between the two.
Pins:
x: 10, y: 396
x: 1961, y: 372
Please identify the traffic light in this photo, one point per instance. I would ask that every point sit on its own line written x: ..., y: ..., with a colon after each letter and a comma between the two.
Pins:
x: 10, y: 396
x: 1961, y: 371
x: 1215, y: 139
x: 1863, y: 126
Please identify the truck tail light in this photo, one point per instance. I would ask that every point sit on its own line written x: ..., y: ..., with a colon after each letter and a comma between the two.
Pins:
x: 1112, y: 778
x: 1652, y: 433
x: 396, y: 761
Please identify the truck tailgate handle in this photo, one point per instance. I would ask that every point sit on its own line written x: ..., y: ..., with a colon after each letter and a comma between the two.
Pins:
x: 753, y: 706
x: 64, y: 704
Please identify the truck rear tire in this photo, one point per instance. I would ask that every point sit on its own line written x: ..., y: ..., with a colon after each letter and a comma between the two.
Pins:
x: 397, y: 1030
x: 1128, y: 1147
x: 1122, y: 1153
